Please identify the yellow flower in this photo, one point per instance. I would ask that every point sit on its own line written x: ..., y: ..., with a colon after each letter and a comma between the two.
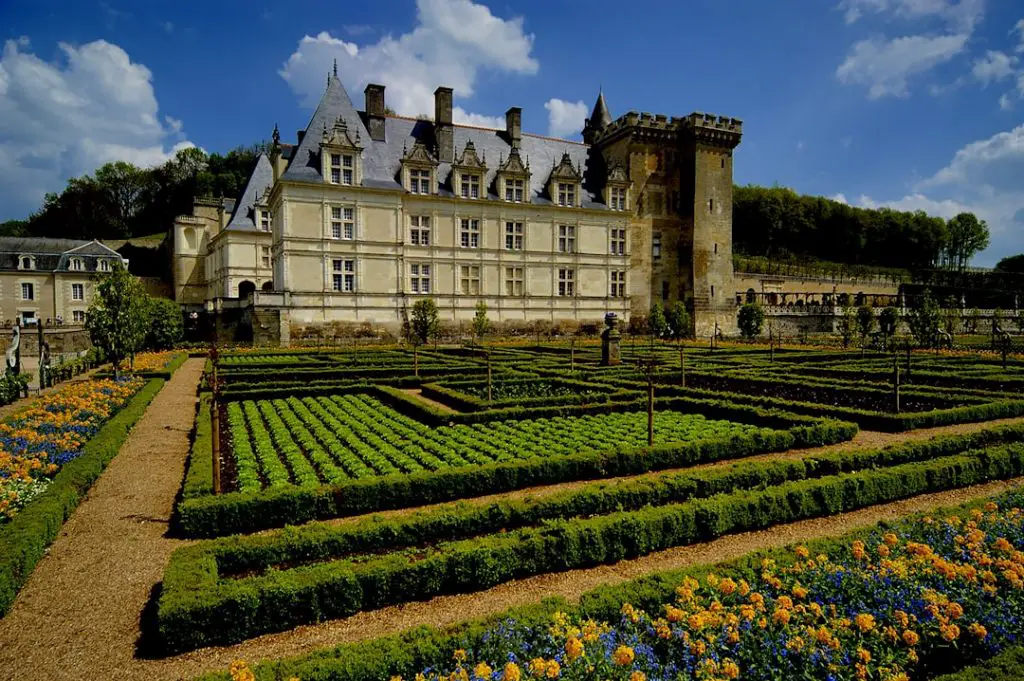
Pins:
x: 638, y: 676
x: 863, y: 655
x: 623, y: 656
x: 511, y: 672
x: 977, y: 630
x: 864, y: 622
x: 950, y: 632
x: 802, y: 553
x: 858, y: 550
x: 891, y: 539
x: 460, y: 655
x: 573, y: 648
x: 538, y: 666
x: 553, y: 670
x: 482, y: 671
x: 730, y: 669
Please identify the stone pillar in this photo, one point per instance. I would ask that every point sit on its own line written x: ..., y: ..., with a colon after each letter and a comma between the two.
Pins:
x: 610, y: 337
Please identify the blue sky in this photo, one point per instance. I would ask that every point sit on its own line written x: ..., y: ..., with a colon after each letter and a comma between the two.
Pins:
x: 907, y: 103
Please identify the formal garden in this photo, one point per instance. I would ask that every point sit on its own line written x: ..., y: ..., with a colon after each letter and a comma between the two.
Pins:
x: 667, y: 509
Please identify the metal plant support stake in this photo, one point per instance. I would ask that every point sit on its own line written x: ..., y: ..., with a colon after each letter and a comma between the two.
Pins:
x: 490, y: 398
x: 896, y: 383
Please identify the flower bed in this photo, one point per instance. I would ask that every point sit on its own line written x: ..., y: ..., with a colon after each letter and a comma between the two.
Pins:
x: 907, y: 601
x: 37, y: 441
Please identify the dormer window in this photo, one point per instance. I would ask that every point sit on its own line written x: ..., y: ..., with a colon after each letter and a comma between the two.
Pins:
x: 340, y: 153
x: 470, y: 186
x: 566, y: 194
x: 564, y: 183
x: 617, y: 196
x: 26, y: 262
x: 264, y: 220
x: 77, y: 265
x: 104, y: 266
x: 419, y: 181
x: 514, y: 190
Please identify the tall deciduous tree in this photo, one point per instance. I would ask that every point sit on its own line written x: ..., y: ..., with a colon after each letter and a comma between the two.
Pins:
x: 888, y: 321
x: 967, y: 237
x: 677, y: 318
x: 924, y: 320
x: 119, y: 316
x: 657, y: 324
x: 865, y: 321
x: 750, y: 320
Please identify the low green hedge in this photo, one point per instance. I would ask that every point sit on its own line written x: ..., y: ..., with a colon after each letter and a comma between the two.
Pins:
x: 410, y: 651
x: 199, y: 473
x: 195, y: 609
x: 327, y: 541
x: 1006, y: 666
x: 236, y: 512
x: 23, y: 540
x: 451, y: 394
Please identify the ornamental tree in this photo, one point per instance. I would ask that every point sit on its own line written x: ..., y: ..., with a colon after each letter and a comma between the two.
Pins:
x: 848, y: 326
x: 657, y: 324
x: 166, y: 327
x: 425, y: 323
x: 888, y: 320
x: 924, y: 320
x: 750, y: 320
x: 677, y: 319
x: 481, y: 323
x: 865, y: 321
x: 119, y: 316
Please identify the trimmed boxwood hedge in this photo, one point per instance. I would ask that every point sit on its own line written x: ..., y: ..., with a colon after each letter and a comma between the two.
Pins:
x: 236, y: 512
x: 328, y: 541
x: 196, y: 609
x: 451, y: 394
x: 1006, y: 666
x: 23, y: 540
x: 411, y: 651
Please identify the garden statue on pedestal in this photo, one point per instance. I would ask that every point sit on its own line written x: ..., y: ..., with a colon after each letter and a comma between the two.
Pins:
x: 610, y: 341
x: 14, y: 351
x: 44, y: 365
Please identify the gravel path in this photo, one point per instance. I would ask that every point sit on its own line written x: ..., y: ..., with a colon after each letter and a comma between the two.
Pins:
x: 418, y: 394
x: 78, y: 615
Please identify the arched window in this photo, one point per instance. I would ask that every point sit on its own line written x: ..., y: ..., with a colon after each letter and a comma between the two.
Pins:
x: 245, y: 289
x: 267, y: 286
x: 27, y: 262
x: 751, y: 296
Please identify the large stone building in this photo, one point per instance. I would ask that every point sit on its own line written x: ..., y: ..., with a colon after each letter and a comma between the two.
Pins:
x: 50, y: 280
x: 369, y: 212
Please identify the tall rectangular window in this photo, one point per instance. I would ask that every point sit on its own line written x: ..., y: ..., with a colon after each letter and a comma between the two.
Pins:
x: 470, y: 233
x: 343, y: 222
x: 566, y: 194
x: 264, y: 220
x: 566, y: 282
x: 78, y: 316
x: 566, y: 239
x: 513, y: 281
x: 656, y: 245
x: 514, y: 190
x: 335, y: 168
x: 618, y: 284
x: 514, y: 236
x: 344, y: 275
x: 419, y: 181
x: 419, y: 277
x: 470, y: 186
x: 618, y: 197
x: 78, y: 292
x: 265, y: 256
x: 419, y: 230
x: 347, y: 168
x: 28, y: 292
x: 618, y: 242
x: 77, y: 265
x: 469, y: 280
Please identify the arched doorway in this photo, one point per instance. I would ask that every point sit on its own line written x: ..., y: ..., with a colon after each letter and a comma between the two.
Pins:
x: 245, y: 289
x: 751, y: 296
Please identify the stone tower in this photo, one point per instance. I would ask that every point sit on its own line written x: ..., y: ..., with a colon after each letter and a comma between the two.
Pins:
x: 680, y: 205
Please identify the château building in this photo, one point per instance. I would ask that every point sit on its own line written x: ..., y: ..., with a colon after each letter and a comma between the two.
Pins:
x: 368, y: 212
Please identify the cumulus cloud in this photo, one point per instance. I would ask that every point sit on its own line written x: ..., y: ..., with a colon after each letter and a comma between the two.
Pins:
x: 985, y: 177
x: 885, y: 66
x: 451, y: 43
x: 565, y: 118
x: 961, y: 15
x: 994, y: 66
x: 65, y: 118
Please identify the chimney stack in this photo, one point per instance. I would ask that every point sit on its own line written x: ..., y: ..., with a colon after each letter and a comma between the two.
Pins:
x: 514, y: 126
x: 300, y: 134
x: 443, y: 129
x: 375, y: 111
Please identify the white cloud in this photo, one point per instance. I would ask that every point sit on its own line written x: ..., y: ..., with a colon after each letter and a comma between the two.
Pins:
x: 61, y: 119
x: 460, y: 115
x: 565, y: 118
x: 986, y: 178
x: 453, y: 40
x: 1018, y: 28
x: 960, y: 16
x: 841, y: 198
x: 994, y: 66
x: 885, y: 66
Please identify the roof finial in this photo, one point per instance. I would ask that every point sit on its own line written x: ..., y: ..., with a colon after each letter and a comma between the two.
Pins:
x: 335, y: 67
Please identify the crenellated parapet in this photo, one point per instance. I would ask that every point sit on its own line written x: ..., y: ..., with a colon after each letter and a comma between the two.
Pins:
x: 720, y: 131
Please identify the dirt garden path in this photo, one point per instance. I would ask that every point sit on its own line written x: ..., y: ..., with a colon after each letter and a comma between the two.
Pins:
x: 79, y: 615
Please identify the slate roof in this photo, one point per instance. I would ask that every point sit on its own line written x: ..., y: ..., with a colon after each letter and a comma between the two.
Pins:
x: 600, y: 117
x: 244, y: 217
x: 52, y: 255
x: 382, y: 160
